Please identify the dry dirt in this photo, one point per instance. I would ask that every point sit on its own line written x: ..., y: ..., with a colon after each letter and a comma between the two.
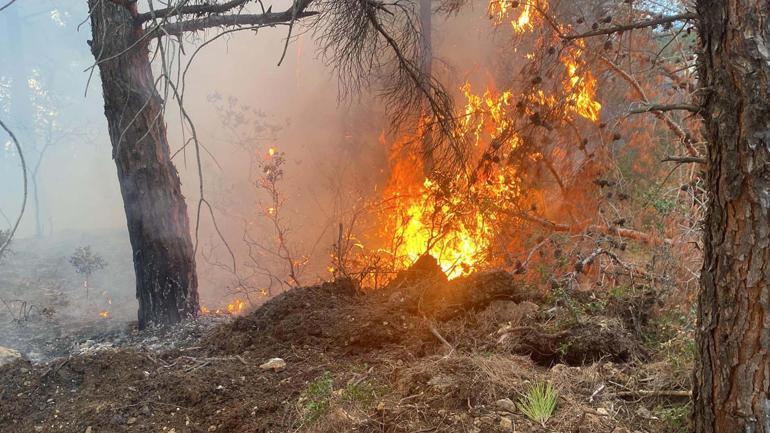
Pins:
x: 369, y: 362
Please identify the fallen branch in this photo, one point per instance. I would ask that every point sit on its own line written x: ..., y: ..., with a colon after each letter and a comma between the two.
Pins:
x: 685, y: 159
x: 652, y: 394
x: 440, y: 338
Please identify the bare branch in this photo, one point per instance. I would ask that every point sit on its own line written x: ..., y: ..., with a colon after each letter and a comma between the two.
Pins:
x: 685, y: 159
x: 631, y: 26
x: 673, y: 126
x: 199, y: 9
x: 5, y: 6
x: 7, y: 240
x: 261, y: 20
x: 647, y: 108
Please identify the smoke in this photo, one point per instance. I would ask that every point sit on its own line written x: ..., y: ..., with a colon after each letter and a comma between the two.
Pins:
x: 242, y: 104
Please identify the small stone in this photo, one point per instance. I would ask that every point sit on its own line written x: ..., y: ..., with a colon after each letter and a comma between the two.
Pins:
x: 275, y: 364
x: 506, y: 424
x: 506, y: 404
x: 8, y: 356
x: 131, y: 421
x: 213, y: 428
x: 38, y: 428
x: 88, y: 429
x: 602, y: 411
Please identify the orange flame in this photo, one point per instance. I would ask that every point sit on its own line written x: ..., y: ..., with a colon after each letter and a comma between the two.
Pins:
x: 236, y: 307
x: 104, y: 314
x: 500, y: 10
x: 453, y: 220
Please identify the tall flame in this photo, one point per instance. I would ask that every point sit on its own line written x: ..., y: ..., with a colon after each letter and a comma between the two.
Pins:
x: 456, y: 218
x: 453, y: 220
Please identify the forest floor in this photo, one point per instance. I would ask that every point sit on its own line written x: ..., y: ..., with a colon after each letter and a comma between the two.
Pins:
x: 421, y: 355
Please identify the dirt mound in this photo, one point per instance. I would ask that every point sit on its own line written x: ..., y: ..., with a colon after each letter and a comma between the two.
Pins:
x: 423, y: 354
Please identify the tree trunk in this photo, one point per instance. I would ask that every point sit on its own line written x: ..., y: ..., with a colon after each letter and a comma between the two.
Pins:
x: 732, y: 376
x: 156, y: 213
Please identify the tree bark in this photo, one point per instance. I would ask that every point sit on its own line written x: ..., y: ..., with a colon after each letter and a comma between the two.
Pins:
x: 732, y: 377
x: 156, y: 213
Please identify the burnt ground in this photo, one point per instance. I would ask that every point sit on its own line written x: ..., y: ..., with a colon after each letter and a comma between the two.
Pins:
x: 422, y: 355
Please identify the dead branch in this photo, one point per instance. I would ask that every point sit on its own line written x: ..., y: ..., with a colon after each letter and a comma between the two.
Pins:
x: 196, y: 24
x: 198, y: 9
x: 581, y: 265
x: 5, y: 6
x: 632, y: 26
x: 7, y: 240
x: 648, y: 108
x: 685, y: 159
x: 675, y: 127
x: 610, y: 231
x: 652, y: 394
x: 438, y: 336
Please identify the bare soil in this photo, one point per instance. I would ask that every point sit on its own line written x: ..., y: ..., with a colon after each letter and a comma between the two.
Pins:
x: 422, y: 355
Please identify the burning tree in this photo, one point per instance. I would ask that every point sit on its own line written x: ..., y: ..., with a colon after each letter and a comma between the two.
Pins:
x: 732, y: 382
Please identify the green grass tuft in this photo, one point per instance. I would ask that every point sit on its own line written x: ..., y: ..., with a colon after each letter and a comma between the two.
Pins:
x: 539, y: 403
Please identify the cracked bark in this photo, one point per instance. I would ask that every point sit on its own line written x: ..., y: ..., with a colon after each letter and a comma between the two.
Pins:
x: 156, y: 213
x: 732, y: 377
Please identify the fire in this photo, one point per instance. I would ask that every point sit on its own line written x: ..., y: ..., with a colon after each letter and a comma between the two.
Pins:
x: 234, y: 308
x: 500, y: 10
x: 271, y: 151
x: 580, y: 88
x: 580, y: 84
x: 104, y: 314
x: 454, y: 220
x: 458, y: 217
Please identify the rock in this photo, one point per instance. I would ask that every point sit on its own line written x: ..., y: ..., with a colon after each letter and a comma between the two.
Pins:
x: 602, y: 411
x: 506, y: 424
x: 275, y: 364
x: 645, y: 413
x: 441, y: 382
x: 8, y: 356
x: 131, y: 421
x: 88, y: 429
x: 506, y: 404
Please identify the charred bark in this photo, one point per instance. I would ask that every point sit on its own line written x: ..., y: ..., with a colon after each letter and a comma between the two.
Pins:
x: 156, y: 213
x: 732, y: 377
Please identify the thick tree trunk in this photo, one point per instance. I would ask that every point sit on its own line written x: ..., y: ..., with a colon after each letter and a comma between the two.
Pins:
x: 156, y: 213
x: 732, y: 377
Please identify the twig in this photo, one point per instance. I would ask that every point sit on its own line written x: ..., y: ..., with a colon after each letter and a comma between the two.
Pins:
x: 2, y: 8
x: 652, y: 393
x: 438, y: 335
